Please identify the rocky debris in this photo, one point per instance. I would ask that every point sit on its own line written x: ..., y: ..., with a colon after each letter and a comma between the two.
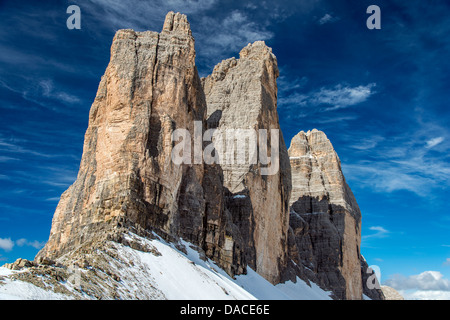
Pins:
x: 19, y: 264
x: 93, y: 274
x: 391, y: 294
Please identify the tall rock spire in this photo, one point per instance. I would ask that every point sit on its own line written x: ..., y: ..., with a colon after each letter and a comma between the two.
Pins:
x: 242, y: 94
x: 150, y: 88
x: 325, y: 217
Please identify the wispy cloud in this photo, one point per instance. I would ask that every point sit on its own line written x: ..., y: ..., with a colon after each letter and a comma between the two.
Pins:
x: 434, y: 142
x: 368, y: 143
x: 6, y: 159
x: 35, y: 244
x: 327, y: 18
x: 7, y: 244
x: 385, y: 176
x: 49, y: 91
x: 14, y: 147
x: 287, y: 84
x: 42, y: 93
x: 332, y: 98
x: 380, y: 232
x: 415, y: 160
x: 333, y: 120
x: 343, y: 96
x: 140, y: 15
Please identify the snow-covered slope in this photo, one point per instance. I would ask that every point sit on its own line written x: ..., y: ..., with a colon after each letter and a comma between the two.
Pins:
x: 163, y: 271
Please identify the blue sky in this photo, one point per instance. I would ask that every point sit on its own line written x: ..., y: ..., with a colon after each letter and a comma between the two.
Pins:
x: 381, y: 96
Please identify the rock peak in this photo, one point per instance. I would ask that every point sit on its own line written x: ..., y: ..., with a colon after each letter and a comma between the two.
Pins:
x: 256, y: 49
x: 176, y: 22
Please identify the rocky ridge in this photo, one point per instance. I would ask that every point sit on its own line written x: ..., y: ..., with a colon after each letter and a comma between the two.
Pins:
x: 299, y: 222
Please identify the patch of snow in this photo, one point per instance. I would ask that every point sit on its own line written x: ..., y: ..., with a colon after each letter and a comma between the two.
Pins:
x: 5, y: 271
x: 172, y: 274
x: 264, y: 290
x: 180, y: 278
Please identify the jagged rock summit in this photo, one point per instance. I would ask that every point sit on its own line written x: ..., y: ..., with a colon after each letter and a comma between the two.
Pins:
x: 283, y: 216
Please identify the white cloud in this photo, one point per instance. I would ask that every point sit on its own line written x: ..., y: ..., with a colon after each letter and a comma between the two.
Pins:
x: 343, y: 96
x: 49, y: 91
x: 384, y: 176
x: 425, y: 294
x: 447, y: 262
x: 6, y: 244
x: 368, y: 143
x: 336, y: 119
x: 337, y: 97
x: 434, y: 142
x: 327, y: 18
x: 380, y: 232
x: 426, y: 281
x: 35, y: 244
x: 12, y: 146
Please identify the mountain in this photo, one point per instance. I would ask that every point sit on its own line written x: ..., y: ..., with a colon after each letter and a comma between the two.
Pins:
x: 186, y: 189
x: 325, y: 220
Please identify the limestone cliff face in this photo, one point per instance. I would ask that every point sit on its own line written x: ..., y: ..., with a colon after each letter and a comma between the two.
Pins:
x: 325, y: 217
x: 150, y: 88
x: 241, y: 94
